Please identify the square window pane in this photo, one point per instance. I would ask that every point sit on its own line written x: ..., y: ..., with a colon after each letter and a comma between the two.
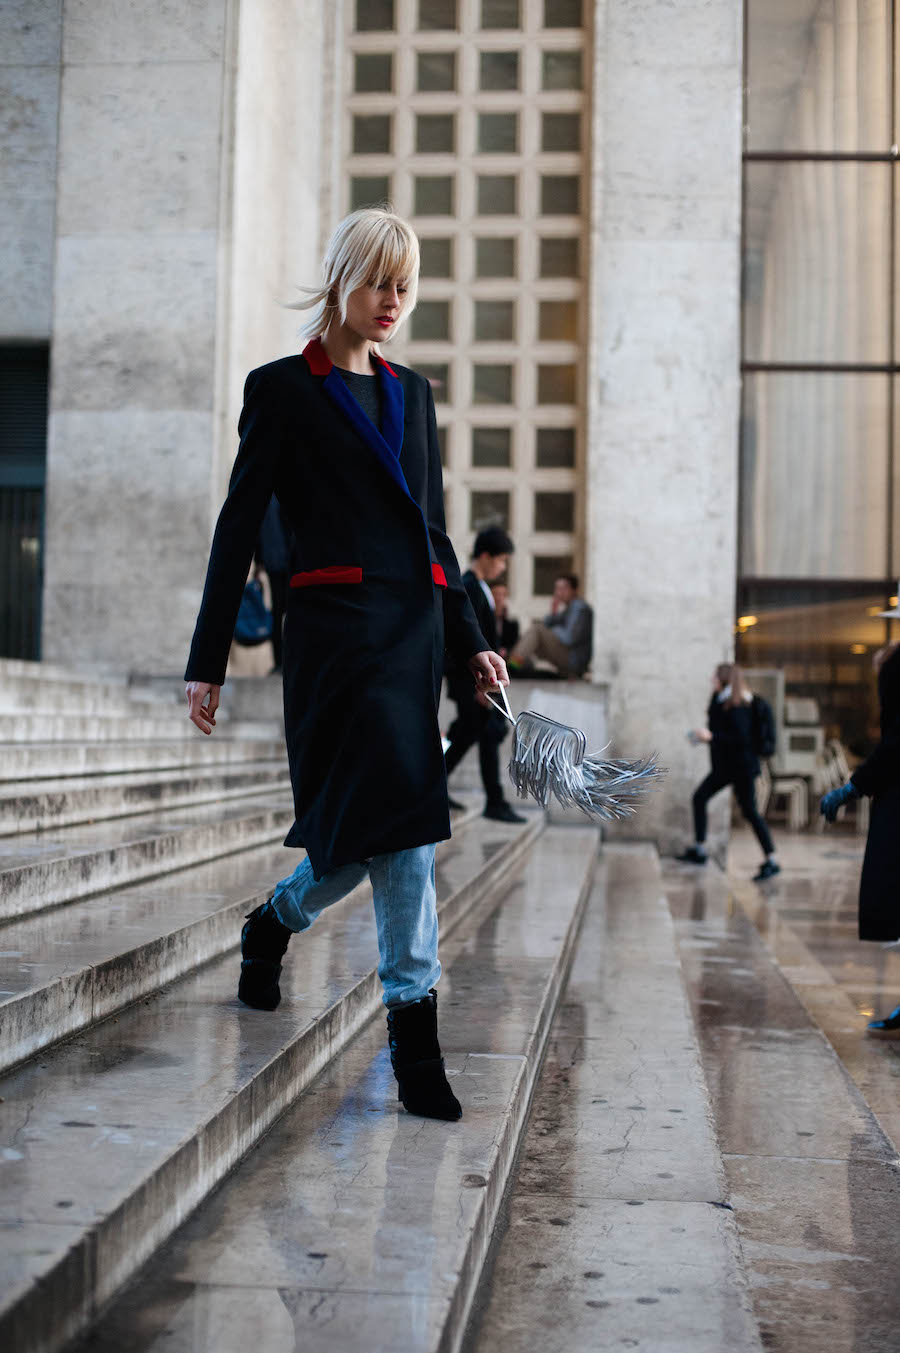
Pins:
x: 547, y: 568
x: 434, y: 195
x: 499, y: 70
x: 493, y: 321
x: 554, y: 511
x: 373, y: 73
x: 556, y: 383
x: 436, y: 258
x: 437, y: 14
x: 500, y: 13
x: 374, y: 16
x: 442, y: 445
x: 431, y: 320
x: 498, y: 133
x: 813, y: 472
x: 818, y: 79
x: 438, y: 376
x: 495, y: 257
x: 435, y: 72
x: 492, y: 383
x: 491, y: 446
x: 816, y: 262
x: 497, y: 194
x: 560, y: 195
x: 435, y: 133
x: 561, y: 131
x: 558, y: 321
x: 562, y: 13
x: 559, y: 257
x: 562, y: 70
x: 555, y: 449
x: 372, y: 134
x: 369, y: 190
x: 488, y: 508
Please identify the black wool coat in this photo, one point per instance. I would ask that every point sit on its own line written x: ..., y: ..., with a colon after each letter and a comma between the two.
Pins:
x: 375, y: 592
x: 460, y: 682
x: 879, y: 775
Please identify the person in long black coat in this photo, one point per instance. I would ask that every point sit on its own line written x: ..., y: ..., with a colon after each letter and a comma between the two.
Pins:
x: 730, y: 733
x: 375, y: 594
x: 879, y: 776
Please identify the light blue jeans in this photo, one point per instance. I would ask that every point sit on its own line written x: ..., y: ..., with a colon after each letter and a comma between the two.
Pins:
x: 405, y: 914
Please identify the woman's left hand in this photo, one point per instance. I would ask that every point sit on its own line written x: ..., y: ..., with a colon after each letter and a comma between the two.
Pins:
x: 703, y: 735
x: 489, y: 670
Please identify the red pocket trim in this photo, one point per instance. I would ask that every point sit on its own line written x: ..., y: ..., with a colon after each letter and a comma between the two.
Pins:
x: 337, y: 573
x: 438, y: 575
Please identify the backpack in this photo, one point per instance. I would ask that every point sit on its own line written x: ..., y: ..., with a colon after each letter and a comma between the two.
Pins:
x: 763, y: 736
x: 254, y: 622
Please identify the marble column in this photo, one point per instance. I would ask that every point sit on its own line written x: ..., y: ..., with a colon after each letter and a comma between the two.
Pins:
x: 664, y: 377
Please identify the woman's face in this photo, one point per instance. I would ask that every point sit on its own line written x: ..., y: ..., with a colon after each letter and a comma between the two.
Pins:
x: 373, y: 309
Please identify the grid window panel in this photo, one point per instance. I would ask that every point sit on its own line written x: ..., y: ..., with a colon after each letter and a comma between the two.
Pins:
x: 498, y: 133
x: 562, y: 70
x: 497, y: 194
x: 500, y: 14
x: 494, y: 321
x: 561, y: 131
x: 435, y: 72
x: 368, y: 190
x: 546, y: 568
x: 556, y: 383
x: 562, y: 13
x: 372, y: 134
x: 492, y: 383
x: 488, y: 507
x: 559, y: 257
x: 431, y: 321
x: 555, y: 448
x: 436, y: 258
x: 491, y: 447
x: 433, y: 194
x: 437, y: 14
x: 495, y: 257
x: 438, y: 376
x: 499, y: 70
x: 554, y: 511
x: 560, y: 194
x: 558, y: 321
x: 374, y: 16
x: 435, y: 133
x: 373, y: 73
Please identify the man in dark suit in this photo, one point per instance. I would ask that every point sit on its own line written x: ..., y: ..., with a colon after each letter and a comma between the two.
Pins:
x: 475, y: 720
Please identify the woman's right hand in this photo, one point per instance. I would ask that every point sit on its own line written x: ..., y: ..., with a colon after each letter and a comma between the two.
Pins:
x: 203, y: 701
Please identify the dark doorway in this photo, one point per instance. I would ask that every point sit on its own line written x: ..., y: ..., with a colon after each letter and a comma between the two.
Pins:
x: 23, y: 473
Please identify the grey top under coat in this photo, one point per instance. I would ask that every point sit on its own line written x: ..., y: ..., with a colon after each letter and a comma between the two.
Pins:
x: 366, y: 390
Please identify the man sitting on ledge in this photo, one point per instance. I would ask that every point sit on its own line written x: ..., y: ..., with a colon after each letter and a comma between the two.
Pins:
x: 563, y: 638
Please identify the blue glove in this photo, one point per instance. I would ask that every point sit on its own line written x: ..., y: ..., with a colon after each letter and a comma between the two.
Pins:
x: 835, y: 799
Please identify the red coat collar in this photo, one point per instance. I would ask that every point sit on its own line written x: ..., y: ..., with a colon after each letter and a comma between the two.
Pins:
x: 320, y: 363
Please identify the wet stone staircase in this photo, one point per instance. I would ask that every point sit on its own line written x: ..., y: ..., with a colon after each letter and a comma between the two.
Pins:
x: 133, y: 1081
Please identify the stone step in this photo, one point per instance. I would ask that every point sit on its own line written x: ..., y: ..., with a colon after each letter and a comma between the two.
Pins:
x: 49, y: 804
x: 42, y: 869
x: 48, y: 671
x: 67, y: 968
x: 48, y: 727
x: 112, y: 1139
x: 27, y: 695
x: 50, y: 760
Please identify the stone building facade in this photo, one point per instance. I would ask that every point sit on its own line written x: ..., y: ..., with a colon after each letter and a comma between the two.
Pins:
x: 170, y: 173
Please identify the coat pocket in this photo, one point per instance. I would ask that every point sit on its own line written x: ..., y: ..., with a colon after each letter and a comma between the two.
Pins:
x: 336, y: 573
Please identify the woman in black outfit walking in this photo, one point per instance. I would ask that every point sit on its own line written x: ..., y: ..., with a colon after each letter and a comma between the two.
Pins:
x: 732, y: 737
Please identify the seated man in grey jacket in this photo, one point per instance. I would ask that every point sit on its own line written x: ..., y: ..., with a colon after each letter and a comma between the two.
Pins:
x: 564, y: 637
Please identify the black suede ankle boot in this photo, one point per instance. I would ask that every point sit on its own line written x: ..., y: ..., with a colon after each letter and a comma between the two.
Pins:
x: 263, y: 942
x: 417, y: 1061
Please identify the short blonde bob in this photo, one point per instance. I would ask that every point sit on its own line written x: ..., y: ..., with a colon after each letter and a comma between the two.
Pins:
x: 370, y: 245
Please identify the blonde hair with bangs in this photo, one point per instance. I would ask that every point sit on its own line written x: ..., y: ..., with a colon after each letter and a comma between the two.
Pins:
x: 371, y: 245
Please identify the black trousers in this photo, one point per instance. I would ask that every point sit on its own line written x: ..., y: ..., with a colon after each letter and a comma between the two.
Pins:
x: 474, y: 723
x: 743, y: 792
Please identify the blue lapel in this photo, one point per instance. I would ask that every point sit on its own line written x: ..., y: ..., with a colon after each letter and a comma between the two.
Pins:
x: 386, y: 445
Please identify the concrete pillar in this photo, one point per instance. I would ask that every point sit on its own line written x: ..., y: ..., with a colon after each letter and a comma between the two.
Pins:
x: 664, y: 376
x: 176, y: 240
